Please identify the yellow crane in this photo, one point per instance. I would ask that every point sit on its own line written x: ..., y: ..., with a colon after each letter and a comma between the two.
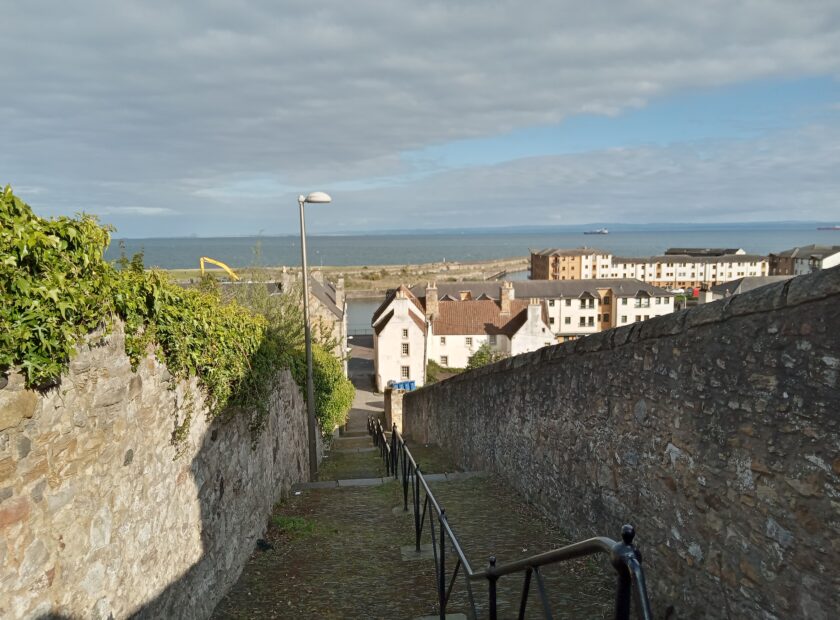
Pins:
x: 218, y: 263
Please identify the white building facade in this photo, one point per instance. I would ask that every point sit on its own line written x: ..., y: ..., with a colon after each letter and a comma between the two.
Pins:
x: 448, y: 322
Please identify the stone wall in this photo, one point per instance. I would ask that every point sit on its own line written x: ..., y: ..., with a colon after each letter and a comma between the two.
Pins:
x: 394, y: 408
x: 101, y: 515
x: 716, y: 431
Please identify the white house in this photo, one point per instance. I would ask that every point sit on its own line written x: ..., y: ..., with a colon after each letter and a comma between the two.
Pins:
x: 399, y: 339
x: 448, y: 322
x: 409, y: 331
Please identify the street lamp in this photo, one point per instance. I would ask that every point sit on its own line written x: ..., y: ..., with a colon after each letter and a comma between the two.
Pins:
x: 314, y: 198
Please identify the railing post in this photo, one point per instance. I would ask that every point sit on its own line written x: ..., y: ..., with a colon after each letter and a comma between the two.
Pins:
x: 622, y: 553
x: 417, y: 507
x: 491, y: 579
x: 442, y: 572
x: 394, y: 459
x: 405, y: 478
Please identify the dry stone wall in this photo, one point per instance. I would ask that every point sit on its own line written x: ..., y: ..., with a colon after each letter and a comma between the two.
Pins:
x: 101, y: 516
x: 716, y: 431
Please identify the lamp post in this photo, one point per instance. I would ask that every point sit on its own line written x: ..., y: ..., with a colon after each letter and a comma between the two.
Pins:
x: 311, y: 425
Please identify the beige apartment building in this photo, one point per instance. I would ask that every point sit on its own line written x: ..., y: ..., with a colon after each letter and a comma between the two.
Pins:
x: 693, y: 267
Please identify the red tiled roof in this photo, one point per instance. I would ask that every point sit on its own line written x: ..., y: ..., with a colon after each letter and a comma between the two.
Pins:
x: 418, y: 321
x: 479, y: 316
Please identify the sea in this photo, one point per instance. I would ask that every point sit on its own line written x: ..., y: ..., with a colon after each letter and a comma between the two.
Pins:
x: 411, y: 249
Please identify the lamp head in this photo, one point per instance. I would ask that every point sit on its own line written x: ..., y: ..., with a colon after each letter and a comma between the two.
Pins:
x: 316, y: 197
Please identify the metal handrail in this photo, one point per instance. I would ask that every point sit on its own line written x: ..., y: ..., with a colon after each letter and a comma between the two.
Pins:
x: 624, y: 556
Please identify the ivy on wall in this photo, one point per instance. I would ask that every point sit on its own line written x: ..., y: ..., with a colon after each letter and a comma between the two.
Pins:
x: 56, y: 288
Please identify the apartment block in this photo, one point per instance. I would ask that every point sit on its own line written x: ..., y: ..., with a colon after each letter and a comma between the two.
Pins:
x: 696, y: 267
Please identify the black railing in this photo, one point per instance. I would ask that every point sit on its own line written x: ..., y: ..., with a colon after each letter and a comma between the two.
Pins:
x: 624, y: 556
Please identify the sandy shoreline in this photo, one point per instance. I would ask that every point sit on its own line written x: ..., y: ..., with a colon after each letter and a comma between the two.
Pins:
x: 371, y: 282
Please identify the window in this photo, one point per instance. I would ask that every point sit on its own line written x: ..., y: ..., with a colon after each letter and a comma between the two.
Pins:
x: 404, y: 350
x: 582, y: 322
x: 404, y: 372
x: 568, y: 320
x: 551, y: 302
x: 443, y: 340
x: 647, y: 316
x: 551, y: 320
x: 493, y: 339
x: 469, y: 341
x: 658, y: 301
x: 642, y: 302
x: 606, y: 318
x: 405, y: 333
x: 591, y: 321
x: 568, y: 302
x: 444, y: 360
x: 623, y: 318
x: 607, y: 300
x: 623, y: 301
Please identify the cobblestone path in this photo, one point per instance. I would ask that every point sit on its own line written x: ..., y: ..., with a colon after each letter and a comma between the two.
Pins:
x: 336, y: 552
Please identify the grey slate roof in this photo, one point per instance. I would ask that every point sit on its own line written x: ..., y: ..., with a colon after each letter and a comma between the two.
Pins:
x: 569, y: 252
x: 545, y: 289
x: 742, y: 285
x: 818, y: 251
x: 685, y: 258
x: 701, y: 251
x: 325, y: 293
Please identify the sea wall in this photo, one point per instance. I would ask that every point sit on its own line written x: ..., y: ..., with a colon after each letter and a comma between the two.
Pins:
x: 101, y: 515
x: 716, y: 431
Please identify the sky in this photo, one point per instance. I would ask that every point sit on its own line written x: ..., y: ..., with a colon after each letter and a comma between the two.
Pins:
x: 176, y: 119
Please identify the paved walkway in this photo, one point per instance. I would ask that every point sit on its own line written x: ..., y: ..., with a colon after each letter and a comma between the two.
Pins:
x: 346, y: 550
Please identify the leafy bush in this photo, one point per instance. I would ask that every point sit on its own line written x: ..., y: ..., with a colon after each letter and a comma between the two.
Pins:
x: 483, y: 356
x: 435, y: 372
x: 55, y: 288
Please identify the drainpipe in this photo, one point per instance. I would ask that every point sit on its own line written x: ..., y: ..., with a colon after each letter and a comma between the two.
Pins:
x: 426, y: 349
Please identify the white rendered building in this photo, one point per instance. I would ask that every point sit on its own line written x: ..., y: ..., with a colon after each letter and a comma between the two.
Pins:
x: 409, y: 331
x: 452, y: 320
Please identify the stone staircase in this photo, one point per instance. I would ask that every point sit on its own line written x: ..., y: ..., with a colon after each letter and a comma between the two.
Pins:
x: 343, y: 547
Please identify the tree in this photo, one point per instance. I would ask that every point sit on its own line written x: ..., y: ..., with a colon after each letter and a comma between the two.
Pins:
x: 484, y: 355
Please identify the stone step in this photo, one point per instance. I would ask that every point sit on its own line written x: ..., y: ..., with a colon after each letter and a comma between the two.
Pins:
x: 368, y: 482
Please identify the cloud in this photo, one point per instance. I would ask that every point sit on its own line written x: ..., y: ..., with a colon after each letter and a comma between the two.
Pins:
x: 791, y: 175
x: 161, y: 103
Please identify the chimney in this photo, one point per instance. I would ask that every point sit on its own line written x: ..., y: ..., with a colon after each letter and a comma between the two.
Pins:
x: 534, y: 311
x: 339, y: 292
x: 505, y: 297
x: 431, y: 300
